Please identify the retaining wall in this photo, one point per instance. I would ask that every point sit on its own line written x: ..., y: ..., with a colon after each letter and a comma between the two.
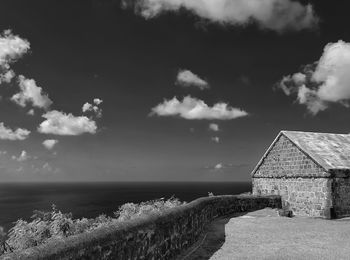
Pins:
x: 161, y: 236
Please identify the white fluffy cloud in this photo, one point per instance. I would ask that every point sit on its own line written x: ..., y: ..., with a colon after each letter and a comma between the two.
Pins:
x: 50, y: 143
x: 324, y: 83
x: 193, y: 108
x: 12, y: 47
x: 7, y: 133
x: 22, y: 157
x: 214, y: 127
x: 93, y: 108
x: 7, y: 76
x: 186, y: 78
x: 86, y: 107
x: 30, y: 92
x: 215, y: 139
x: 60, y: 123
x: 97, y: 101
x: 277, y: 15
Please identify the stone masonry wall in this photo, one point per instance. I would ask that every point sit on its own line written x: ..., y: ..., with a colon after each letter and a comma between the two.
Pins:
x: 304, y: 196
x: 286, y: 160
x: 304, y: 186
x: 341, y: 197
x: 161, y: 236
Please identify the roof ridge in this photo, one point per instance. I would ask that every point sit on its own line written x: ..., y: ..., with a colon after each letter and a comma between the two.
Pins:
x: 310, y: 132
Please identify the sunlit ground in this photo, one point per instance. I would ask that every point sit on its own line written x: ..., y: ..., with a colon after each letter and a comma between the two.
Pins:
x: 264, y: 235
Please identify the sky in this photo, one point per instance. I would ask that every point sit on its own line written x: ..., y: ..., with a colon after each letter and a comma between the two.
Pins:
x: 165, y: 90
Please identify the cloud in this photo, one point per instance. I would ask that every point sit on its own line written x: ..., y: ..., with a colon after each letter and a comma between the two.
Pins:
x: 214, y: 127
x: 226, y: 166
x: 219, y: 166
x: 44, y: 169
x: 193, y: 108
x: 9, y: 134
x: 276, y: 15
x: 12, y: 47
x: 31, y: 112
x: 60, y: 123
x: 50, y: 143
x: 31, y: 93
x: 186, y: 78
x: 323, y: 83
x: 22, y: 157
x: 98, y: 101
x: 47, y: 167
x: 7, y: 76
x: 215, y: 139
x: 87, y: 107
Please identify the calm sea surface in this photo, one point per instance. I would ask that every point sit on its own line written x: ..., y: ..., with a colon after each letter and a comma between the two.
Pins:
x: 92, y: 199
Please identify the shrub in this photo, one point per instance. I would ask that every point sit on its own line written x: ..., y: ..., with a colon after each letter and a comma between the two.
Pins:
x: 54, y: 224
x: 61, y: 224
x: 132, y: 210
x: 101, y: 221
x: 82, y: 225
x: 24, y: 234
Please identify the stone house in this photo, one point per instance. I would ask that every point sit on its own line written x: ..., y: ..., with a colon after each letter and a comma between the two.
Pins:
x: 309, y: 170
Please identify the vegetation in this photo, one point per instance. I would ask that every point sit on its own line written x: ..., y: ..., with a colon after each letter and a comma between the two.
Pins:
x: 46, y: 226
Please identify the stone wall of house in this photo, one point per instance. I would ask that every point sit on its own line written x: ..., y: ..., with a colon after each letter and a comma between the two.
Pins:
x: 304, y: 196
x: 161, y: 236
x: 341, y: 188
x: 304, y: 186
x: 287, y: 160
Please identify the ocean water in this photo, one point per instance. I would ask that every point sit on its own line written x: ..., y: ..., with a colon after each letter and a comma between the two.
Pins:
x: 18, y: 200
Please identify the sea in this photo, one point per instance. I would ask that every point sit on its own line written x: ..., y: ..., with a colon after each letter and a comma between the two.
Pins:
x: 18, y: 200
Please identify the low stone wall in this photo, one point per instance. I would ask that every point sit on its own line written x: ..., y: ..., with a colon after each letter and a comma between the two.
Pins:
x: 161, y: 236
x: 304, y: 196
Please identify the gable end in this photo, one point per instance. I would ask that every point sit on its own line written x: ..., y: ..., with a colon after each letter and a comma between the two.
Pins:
x: 285, y: 159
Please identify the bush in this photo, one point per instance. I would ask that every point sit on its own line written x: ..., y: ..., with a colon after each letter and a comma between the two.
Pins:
x: 44, y: 226
x: 132, y: 210
x: 54, y: 224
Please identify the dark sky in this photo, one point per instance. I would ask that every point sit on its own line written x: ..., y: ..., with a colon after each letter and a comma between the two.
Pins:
x: 81, y: 50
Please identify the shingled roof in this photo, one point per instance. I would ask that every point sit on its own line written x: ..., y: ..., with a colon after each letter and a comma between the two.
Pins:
x: 330, y: 151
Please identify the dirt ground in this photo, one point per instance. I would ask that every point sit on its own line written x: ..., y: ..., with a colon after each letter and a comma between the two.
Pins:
x: 264, y: 235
